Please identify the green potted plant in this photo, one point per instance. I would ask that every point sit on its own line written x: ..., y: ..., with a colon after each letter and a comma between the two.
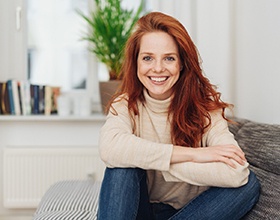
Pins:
x: 110, y: 26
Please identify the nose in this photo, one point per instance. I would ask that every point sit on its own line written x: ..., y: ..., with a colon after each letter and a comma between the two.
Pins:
x: 158, y: 67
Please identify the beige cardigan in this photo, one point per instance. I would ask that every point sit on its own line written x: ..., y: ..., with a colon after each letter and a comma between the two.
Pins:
x: 150, y: 148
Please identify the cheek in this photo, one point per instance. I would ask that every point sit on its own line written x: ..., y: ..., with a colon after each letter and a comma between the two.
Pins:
x: 176, y: 74
x: 139, y: 72
x: 142, y: 69
x: 177, y: 77
x: 176, y: 70
x: 138, y: 69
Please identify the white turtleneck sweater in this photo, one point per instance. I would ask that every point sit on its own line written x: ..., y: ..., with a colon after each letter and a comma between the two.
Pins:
x: 150, y: 148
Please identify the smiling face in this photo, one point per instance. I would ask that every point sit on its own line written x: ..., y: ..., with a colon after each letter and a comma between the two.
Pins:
x: 158, y: 64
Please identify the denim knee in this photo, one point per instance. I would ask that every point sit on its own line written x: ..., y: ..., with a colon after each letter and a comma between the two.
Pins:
x: 124, y: 174
x: 253, y: 187
x: 120, y: 193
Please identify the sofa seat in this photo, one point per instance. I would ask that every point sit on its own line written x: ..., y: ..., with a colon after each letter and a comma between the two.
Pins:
x: 70, y: 200
x: 75, y: 200
x: 261, y: 144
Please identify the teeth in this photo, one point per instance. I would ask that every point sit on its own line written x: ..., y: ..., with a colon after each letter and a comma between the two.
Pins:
x: 158, y: 79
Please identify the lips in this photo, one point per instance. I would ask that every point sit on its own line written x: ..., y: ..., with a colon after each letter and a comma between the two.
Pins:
x: 158, y: 79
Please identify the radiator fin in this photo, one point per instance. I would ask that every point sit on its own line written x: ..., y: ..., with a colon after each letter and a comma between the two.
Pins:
x: 29, y: 172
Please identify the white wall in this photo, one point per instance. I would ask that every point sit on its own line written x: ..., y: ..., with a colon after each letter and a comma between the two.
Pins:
x: 214, y: 41
x: 12, y: 42
x: 238, y: 40
x: 240, y: 45
x: 257, y: 60
x: 4, y: 39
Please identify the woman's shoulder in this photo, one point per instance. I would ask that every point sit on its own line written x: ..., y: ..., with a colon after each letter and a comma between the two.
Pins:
x: 122, y: 97
x: 119, y: 102
x: 216, y: 117
x: 216, y: 114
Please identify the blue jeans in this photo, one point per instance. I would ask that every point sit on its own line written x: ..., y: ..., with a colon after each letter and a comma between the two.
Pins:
x: 124, y: 196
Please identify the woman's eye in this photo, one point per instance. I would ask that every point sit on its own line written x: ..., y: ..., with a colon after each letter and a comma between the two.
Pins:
x: 170, y: 58
x: 147, y: 58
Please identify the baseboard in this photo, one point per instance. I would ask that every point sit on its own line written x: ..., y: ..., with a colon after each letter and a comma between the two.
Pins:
x: 16, y: 217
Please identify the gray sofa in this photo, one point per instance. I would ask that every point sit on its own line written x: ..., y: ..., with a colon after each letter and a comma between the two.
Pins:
x: 261, y: 144
x: 77, y: 200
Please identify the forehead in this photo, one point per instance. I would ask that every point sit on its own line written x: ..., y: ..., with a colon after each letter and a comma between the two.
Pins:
x: 159, y: 41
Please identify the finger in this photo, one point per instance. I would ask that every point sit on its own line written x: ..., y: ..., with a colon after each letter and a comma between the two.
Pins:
x: 237, y: 151
x: 229, y: 155
x: 238, y: 159
x: 228, y: 162
x: 235, y: 155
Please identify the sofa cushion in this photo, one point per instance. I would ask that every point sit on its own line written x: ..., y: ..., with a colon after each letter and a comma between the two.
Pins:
x: 71, y: 200
x: 268, y: 204
x: 261, y: 144
x: 66, y: 215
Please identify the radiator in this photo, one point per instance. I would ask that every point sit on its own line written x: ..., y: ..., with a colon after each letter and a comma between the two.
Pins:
x: 29, y: 172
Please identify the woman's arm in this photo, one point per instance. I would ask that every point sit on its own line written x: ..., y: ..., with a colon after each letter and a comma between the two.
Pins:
x: 220, y: 163
x: 221, y: 153
x: 119, y: 147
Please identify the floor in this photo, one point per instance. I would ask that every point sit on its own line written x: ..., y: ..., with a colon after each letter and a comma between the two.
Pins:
x: 15, y: 217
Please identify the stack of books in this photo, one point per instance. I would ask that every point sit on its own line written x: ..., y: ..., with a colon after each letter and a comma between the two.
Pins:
x: 20, y: 97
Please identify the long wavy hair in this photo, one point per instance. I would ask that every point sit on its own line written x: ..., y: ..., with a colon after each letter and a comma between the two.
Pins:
x: 194, y: 96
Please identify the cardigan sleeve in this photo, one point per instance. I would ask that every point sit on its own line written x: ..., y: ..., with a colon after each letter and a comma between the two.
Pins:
x: 211, y: 174
x: 119, y: 147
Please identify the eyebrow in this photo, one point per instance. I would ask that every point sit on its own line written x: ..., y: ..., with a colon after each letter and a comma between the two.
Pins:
x: 166, y: 54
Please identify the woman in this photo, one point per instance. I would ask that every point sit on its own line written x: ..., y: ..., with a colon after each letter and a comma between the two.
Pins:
x: 166, y: 143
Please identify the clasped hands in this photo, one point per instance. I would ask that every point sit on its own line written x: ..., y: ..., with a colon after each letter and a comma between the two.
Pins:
x: 220, y: 153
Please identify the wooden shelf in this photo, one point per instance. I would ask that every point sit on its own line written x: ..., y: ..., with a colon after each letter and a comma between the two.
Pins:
x: 93, y: 117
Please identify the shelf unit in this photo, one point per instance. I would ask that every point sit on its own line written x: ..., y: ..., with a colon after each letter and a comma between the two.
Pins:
x: 46, y: 132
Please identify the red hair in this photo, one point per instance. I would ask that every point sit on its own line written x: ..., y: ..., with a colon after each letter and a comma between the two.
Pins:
x: 194, y: 96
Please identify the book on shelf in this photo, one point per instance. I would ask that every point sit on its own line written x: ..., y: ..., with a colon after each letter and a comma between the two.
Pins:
x: 48, y: 100
x: 25, y: 97
x: 10, y: 95
x: 4, y: 98
x: 41, y: 99
x: 55, y: 94
x: 34, y: 91
x: 14, y: 97
x: 20, y: 97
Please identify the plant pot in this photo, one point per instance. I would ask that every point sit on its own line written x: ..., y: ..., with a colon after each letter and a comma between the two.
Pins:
x: 107, y: 89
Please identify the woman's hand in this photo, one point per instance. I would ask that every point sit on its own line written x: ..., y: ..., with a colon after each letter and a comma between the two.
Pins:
x: 221, y: 153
